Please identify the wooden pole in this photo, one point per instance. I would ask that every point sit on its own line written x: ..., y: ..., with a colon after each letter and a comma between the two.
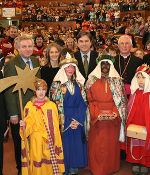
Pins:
x: 24, y: 132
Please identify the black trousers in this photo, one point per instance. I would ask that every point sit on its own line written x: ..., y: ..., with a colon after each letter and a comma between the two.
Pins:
x: 17, y: 144
x: 1, y: 156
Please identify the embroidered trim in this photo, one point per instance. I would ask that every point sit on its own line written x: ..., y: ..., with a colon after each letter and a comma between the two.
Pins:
x: 58, y: 150
x: 51, y: 147
x: 43, y: 161
x: 26, y: 111
x: 50, y: 123
x: 106, y: 118
x: 23, y: 153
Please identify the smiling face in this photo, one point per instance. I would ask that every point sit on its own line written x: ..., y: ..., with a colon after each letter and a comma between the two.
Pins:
x: 70, y: 70
x: 105, y: 67
x: 124, y: 46
x: 70, y: 44
x: 148, y: 46
x: 140, y: 80
x: 25, y: 48
x: 84, y: 44
x: 39, y: 41
x: 139, y: 54
x: 53, y: 53
x: 13, y: 33
x: 40, y: 93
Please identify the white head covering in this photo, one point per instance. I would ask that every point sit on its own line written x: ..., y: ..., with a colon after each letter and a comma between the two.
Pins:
x: 62, y: 77
x: 97, y: 71
x: 135, y: 86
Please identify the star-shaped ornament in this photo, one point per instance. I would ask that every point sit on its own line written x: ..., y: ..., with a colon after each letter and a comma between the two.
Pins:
x: 24, y: 80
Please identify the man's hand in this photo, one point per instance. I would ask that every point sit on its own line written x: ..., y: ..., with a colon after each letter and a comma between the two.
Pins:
x: 14, y: 120
x: 74, y: 125
x: 7, y: 45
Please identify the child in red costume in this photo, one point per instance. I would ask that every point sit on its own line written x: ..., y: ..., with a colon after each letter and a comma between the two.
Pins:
x: 138, y: 151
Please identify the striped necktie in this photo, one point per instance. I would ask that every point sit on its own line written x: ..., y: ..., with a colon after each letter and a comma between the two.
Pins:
x: 28, y: 63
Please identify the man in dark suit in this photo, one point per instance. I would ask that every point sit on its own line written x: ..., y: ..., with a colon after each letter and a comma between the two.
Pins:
x: 25, y: 49
x: 86, y: 58
x: 3, y: 125
x: 126, y: 63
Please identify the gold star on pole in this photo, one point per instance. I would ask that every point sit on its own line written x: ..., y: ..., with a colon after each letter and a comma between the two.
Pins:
x: 24, y: 80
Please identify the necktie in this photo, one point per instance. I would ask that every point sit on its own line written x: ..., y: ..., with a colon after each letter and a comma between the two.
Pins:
x: 85, y: 64
x: 28, y: 63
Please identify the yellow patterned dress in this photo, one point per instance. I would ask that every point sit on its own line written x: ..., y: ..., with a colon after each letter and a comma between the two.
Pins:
x: 39, y: 122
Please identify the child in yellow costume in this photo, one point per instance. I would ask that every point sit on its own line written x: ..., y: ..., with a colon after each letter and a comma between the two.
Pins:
x: 42, y: 130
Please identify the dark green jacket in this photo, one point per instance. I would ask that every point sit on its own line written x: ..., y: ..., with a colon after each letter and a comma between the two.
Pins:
x: 3, y: 114
x: 12, y: 99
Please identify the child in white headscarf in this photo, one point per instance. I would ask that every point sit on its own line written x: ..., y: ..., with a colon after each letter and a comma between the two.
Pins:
x: 67, y: 90
x: 138, y: 151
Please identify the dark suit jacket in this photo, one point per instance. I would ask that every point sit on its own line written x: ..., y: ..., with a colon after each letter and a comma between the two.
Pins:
x: 3, y: 113
x: 131, y: 68
x: 92, y: 63
x: 12, y: 99
x: 146, y: 59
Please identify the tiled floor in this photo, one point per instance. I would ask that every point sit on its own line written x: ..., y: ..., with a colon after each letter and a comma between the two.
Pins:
x: 9, y: 163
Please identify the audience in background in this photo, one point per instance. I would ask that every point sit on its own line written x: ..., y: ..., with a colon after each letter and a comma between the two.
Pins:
x: 139, y: 53
x: 90, y: 32
x: 147, y: 47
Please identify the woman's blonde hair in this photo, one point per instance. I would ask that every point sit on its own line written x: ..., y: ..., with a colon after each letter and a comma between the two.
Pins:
x: 70, y: 39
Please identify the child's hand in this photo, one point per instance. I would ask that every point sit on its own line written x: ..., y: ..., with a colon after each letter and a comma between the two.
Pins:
x: 74, y: 125
x: 22, y: 124
x: 114, y: 114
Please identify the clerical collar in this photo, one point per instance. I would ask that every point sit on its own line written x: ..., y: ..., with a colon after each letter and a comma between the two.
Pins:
x: 125, y: 56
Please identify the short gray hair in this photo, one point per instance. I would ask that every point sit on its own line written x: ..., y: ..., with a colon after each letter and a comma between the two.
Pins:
x: 23, y: 37
x: 13, y: 27
x: 125, y: 36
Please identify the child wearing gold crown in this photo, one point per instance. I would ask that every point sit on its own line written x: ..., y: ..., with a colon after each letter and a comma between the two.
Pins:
x: 42, y: 130
x: 68, y: 92
x: 138, y: 151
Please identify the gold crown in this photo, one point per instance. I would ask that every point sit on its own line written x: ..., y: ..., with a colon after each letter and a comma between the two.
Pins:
x: 67, y: 59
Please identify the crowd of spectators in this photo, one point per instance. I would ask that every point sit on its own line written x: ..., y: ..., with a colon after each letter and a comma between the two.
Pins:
x: 86, y: 17
x: 102, y: 20
x: 109, y: 10
x: 105, y: 37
